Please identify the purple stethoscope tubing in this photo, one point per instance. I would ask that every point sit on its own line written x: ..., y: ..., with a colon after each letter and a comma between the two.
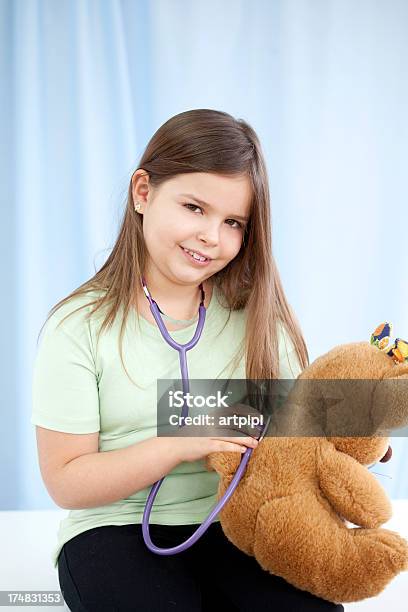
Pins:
x: 182, y: 350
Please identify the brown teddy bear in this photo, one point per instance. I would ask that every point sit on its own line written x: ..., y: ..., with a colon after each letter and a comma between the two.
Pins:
x: 308, y: 476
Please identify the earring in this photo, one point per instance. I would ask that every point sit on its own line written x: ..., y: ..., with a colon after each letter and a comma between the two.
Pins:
x: 137, y: 206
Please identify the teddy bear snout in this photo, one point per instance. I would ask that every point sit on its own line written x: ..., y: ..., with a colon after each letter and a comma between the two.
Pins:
x: 387, y: 455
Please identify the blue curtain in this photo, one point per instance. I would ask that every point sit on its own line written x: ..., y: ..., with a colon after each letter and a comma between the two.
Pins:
x: 86, y: 83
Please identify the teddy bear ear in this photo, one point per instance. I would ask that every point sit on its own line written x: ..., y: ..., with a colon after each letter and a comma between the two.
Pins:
x: 390, y: 405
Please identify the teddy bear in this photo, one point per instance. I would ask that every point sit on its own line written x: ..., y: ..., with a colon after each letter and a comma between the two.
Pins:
x: 308, y: 481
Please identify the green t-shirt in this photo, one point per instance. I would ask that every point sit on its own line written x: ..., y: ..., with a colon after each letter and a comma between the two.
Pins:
x: 79, y: 387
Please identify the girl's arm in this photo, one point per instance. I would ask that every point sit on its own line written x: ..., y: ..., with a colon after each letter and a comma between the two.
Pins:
x: 93, y: 479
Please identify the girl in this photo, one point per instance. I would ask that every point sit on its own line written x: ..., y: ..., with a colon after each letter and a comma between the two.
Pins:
x: 200, y: 189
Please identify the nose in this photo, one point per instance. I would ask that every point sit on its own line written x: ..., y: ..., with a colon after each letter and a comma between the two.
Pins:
x: 387, y: 455
x: 210, y: 237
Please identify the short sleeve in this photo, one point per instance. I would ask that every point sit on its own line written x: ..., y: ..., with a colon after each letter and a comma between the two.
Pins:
x: 64, y: 386
x: 289, y: 365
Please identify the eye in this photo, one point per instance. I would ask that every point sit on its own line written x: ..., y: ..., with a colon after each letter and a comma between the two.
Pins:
x: 238, y: 226
x: 193, y: 205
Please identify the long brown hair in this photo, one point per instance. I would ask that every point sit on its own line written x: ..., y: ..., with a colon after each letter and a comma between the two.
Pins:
x: 204, y: 140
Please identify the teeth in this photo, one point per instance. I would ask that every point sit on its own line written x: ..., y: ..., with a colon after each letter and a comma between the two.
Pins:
x: 195, y: 255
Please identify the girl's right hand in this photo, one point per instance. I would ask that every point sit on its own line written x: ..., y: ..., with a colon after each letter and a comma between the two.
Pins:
x: 193, y: 448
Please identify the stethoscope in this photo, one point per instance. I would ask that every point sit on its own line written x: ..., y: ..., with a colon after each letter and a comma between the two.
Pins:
x: 182, y: 350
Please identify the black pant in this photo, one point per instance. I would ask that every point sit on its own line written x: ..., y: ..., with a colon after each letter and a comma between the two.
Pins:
x: 110, y: 569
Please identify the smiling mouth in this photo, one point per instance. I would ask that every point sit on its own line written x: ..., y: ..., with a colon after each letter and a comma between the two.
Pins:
x: 206, y: 260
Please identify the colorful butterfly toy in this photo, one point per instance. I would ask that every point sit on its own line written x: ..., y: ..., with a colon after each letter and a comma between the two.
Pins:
x: 381, y: 338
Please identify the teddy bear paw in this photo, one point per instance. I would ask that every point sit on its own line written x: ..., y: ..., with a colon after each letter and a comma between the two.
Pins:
x: 383, y: 552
